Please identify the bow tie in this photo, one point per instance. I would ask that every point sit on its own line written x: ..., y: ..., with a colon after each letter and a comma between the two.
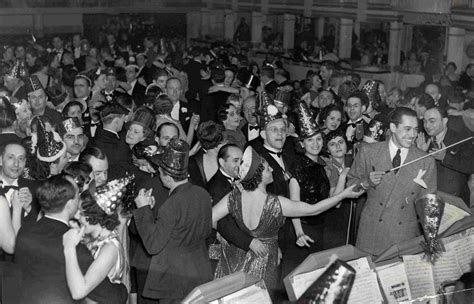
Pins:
x: 94, y: 124
x: 253, y: 128
x: 8, y: 187
x: 279, y: 154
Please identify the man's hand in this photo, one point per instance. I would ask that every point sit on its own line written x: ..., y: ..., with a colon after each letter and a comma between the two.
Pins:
x: 422, y: 142
x: 304, y: 240
x: 375, y: 177
x: 258, y: 248
x: 144, y: 198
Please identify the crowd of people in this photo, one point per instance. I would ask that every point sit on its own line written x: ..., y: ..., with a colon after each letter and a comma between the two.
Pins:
x: 136, y: 173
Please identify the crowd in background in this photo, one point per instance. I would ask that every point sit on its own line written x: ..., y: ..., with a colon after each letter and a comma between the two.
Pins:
x: 120, y: 153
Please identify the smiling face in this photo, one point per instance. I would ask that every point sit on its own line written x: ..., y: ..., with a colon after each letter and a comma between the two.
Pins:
x: 313, y: 145
x: 231, y: 162
x: 74, y: 141
x: 37, y: 101
x: 404, y: 134
x: 333, y: 121
x: 325, y: 99
x: 434, y: 123
x: 233, y: 118
x: 337, y: 147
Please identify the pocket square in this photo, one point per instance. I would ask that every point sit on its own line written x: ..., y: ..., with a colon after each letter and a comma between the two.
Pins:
x: 419, y: 178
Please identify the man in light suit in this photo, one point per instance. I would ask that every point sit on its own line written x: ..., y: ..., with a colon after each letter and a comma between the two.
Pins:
x: 389, y: 215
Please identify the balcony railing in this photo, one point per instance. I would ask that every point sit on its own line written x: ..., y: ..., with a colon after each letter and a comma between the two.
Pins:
x: 423, y: 6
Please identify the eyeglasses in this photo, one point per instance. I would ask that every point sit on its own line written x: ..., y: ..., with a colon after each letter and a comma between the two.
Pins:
x: 276, y: 130
x: 70, y: 137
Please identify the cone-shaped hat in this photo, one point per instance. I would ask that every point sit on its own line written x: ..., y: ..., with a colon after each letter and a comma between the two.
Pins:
x: 307, y: 124
x: 109, y: 196
x: 267, y: 111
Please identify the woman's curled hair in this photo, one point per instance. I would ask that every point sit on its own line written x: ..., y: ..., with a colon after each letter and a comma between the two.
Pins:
x: 252, y: 183
x: 95, y: 215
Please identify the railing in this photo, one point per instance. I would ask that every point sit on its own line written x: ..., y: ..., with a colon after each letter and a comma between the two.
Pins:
x: 423, y: 6
x: 97, y: 3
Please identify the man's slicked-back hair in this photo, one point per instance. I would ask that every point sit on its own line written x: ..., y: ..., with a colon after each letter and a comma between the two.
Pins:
x: 398, y: 113
x: 54, y: 193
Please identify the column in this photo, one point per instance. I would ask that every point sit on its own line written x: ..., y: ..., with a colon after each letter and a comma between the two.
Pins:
x: 38, y: 25
x: 205, y: 21
x: 216, y: 23
x: 320, y: 29
x: 288, y: 31
x: 193, y: 25
x: 345, y: 37
x: 456, y: 45
x: 407, y: 38
x: 229, y: 24
x: 395, y: 43
x: 257, y: 24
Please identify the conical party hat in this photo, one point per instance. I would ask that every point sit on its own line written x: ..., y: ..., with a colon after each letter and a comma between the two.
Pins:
x: 110, y: 195
x: 50, y: 145
x: 307, y: 124
x: 18, y: 70
x: 267, y: 111
x: 371, y: 89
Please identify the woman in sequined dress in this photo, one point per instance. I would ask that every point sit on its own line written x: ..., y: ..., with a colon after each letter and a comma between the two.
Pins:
x: 261, y: 215
x: 108, y: 268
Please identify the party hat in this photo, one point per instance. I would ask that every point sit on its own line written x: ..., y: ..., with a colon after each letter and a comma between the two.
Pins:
x: 333, y: 286
x: 307, y: 124
x: 371, y: 89
x: 111, y: 195
x: 18, y: 70
x: 282, y: 95
x: 49, y: 143
x: 174, y: 159
x: 32, y: 84
x: 430, y: 209
x: 267, y: 111
x: 251, y: 160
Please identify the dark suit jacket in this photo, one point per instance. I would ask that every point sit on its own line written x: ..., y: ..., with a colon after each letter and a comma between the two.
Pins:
x: 280, y: 183
x: 138, y: 94
x: 39, y: 254
x: 192, y: 68
x: 218, y: 186
x: 147, y: 73
x: 211, y: 103
x: 176, y: 240
x: 456, y: 167
x: 185, y: 114
x: 88, y: 132
x: 118, y: 152
x: 271, y: 88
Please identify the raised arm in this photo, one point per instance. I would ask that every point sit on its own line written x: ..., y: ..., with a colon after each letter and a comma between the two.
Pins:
x: 292, y: 208
x: 81, y: 285
x: 7, y: 230
x: 219, y: 211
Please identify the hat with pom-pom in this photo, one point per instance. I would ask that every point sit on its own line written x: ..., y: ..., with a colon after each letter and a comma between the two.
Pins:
x: 267, y: 111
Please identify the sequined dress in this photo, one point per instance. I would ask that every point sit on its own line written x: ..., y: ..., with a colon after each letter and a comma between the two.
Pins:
x: 234, y: 259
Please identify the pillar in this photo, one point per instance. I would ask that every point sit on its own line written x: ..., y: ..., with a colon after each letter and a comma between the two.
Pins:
x: 205, y: 22
x: 395, y: 43
x: 407, y: 38
x: 346, y: 27
x: 216, y: 23
x: 320, y: 29
x: 193, y: 25
x: 38, y: 24
x: 456, y: 38
x: 257, y: 24
x: 229, y: 24
x: 288, y: 31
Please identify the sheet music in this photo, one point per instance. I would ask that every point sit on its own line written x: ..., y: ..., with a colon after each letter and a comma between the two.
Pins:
x: 303, y: 281
x: 394, y: 281
x: 360, y: 265
x: 365, y: 289
x: 420, y: 276
x: 446, y: 268
x: 451, y: 215
x: 464, y: 251
x: 251, y: 294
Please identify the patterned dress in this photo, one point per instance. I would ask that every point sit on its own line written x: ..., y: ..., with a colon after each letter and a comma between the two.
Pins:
x: 234, y: 259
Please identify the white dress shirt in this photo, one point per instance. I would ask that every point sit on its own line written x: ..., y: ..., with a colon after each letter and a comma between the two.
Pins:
x: 393, y: 151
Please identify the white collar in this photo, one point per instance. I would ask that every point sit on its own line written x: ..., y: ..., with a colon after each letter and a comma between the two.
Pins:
x: 111, y: 131
x: 5, y: 183
x: 393, y: 151
x: 227, y: 175
x: 56, y: 219
x: 272, y: 149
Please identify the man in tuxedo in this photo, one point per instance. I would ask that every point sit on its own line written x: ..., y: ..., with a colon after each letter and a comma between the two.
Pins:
x: 13, y: 160
x: 389, y: 215
x: 82, y: 92
x: 269, y: 84
x: 108, y: 140
x: 454, y: 165
x: 39, y: 250
x: 250, y: 129
x: 137, y: 90
x: 356, y: 106
x: 94, y: 157
x: 211, y: 102
x: 180, y: 111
